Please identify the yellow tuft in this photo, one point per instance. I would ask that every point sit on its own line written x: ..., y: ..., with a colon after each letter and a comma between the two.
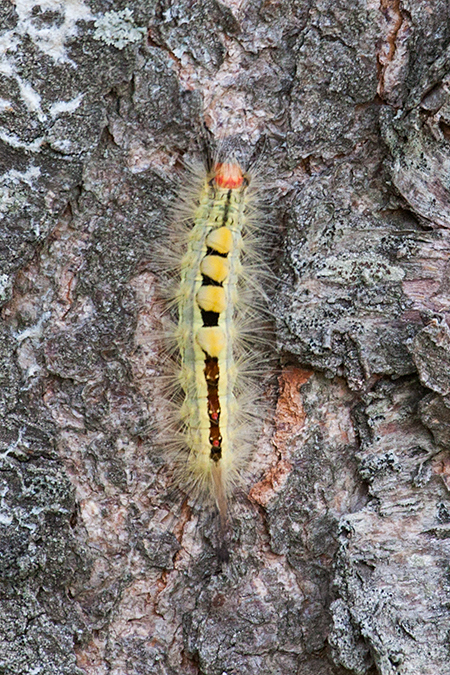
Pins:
x: 220, y: 240
x: 211, y: 339
x: 215, y: 267
x: 212, y: 299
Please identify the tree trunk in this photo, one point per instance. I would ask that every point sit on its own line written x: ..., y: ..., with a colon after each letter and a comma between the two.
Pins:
x: 338, y: 541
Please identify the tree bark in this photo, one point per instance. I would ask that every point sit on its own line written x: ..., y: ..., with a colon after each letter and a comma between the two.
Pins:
x: 339, y: 542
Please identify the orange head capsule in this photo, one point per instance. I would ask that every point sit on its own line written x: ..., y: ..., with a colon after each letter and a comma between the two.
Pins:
x: 228, y: 176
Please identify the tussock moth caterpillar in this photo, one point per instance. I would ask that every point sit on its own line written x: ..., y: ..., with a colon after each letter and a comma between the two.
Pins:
x: 213, y: 261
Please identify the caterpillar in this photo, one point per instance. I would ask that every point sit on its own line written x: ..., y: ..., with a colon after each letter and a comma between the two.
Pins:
x: 213, y: 257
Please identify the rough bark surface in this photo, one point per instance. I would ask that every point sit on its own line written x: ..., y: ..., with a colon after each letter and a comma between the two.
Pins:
x: 340, y: 542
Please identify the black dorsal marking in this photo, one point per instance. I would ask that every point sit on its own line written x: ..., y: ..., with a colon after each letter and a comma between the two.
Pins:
x: 210, y: 318
x: 207, y: 281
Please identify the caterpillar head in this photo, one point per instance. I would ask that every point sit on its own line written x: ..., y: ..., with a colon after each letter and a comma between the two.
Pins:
x: 229, y: 176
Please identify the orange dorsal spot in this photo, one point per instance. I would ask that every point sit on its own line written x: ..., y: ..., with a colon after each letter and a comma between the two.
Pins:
x: 228, y: 176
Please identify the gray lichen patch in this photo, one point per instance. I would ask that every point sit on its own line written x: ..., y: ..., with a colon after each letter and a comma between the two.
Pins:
x: 30, y: 205
x: 40, y: 557
x: 269, y: 617
x: 420, y: 165
x: 155, y: 110
x: 333, y: 89
x: 385, y: 585
x: 343, y: 300
x: 117, y: 28
x: 53, y: 113
x: 431, y: 353
x: 357, y: 268
x: 430, y: 350
x: 321, y: 485
x: 435, y: 414
x: 204, y: 43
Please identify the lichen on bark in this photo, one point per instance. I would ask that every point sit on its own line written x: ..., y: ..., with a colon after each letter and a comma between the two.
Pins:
x: 339, y: 540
